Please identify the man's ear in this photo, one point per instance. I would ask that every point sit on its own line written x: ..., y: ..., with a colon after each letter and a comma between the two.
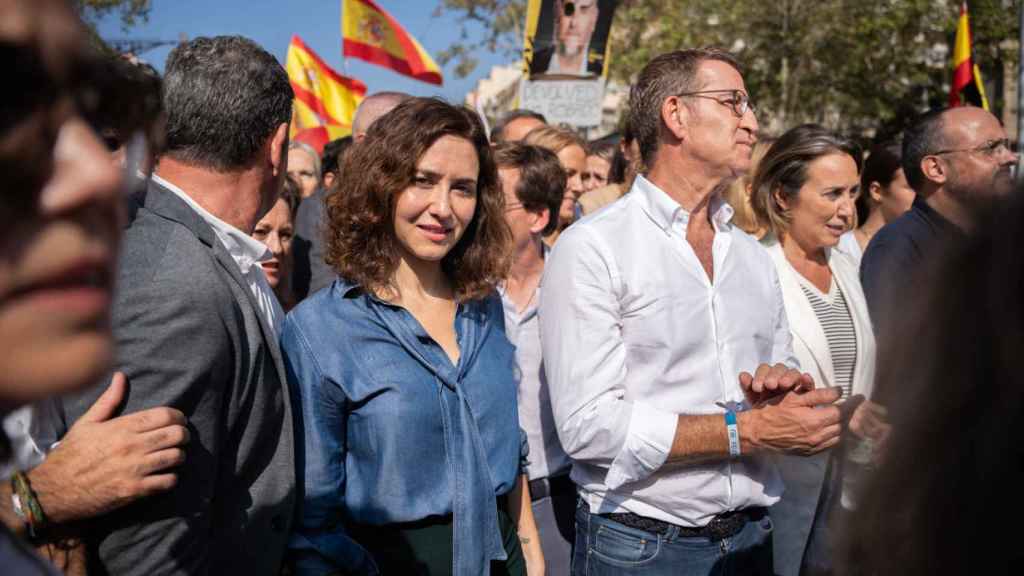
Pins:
x: 279, y: 149
x: 540, y: 221
x: 875, y: 192
x: 935, y: 170
x: 674, y: 116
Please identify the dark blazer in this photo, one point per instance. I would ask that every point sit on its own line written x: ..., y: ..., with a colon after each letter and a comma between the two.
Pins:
x: 189, y: 335
x: 310, y: 272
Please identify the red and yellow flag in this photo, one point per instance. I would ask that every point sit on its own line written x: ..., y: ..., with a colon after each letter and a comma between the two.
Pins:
x: 967, y: 87
x: 369, y: 33
x: 325, y: 101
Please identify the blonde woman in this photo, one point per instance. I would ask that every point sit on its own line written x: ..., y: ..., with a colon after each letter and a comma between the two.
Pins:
x: 571, y: 150
x: 803, y: 193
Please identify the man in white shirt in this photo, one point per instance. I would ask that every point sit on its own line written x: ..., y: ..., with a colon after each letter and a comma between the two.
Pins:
x: 533, y: 182
x: 667, y: 350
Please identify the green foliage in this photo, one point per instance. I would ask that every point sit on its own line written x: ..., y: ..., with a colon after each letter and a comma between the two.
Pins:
x: 131, y: 11
x: 492, y: 25
x: 859, y: 66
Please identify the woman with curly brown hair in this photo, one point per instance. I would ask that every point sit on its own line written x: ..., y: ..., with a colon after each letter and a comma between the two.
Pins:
x: 412, y: 459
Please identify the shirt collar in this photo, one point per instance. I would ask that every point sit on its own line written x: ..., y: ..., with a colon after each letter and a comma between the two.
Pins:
x: 245, y: 250
x: 535, y: 303
x: 666, y: 212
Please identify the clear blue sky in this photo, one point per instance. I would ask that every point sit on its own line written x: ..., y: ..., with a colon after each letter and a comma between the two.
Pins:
x: 318, y: 22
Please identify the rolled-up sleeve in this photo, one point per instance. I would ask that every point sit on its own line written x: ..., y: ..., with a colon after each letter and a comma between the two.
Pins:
x: 585, y: 365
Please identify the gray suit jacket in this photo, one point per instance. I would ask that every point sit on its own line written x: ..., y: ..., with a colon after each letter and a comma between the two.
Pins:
x: 189, y: 335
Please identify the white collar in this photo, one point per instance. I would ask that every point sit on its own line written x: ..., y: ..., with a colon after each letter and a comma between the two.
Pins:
x: 244, y: 249
x: 665, y: 211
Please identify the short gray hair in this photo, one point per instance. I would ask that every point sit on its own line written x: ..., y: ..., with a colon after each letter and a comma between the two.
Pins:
x: 665, y: 76
x: 224, y: 97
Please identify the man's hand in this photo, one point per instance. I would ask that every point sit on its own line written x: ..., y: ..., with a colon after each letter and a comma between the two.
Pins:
x: 801, y: 422
x: 104, y: 463
x: 769, y: 382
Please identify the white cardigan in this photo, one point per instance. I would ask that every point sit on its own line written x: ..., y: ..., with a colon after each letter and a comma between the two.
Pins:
x: 794, y: 514
x: 809, y: 343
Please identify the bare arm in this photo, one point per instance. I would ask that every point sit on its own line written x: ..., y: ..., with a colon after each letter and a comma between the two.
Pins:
x: 793, y: 424
x: 529, y: 537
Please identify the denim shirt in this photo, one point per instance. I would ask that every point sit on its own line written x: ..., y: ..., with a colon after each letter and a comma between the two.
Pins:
x: 393, y: 432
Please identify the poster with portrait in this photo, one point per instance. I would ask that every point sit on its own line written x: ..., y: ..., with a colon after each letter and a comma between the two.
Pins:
x: 567, y: 38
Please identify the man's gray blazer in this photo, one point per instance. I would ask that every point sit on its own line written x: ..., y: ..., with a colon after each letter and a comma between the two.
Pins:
x: 189, y: 335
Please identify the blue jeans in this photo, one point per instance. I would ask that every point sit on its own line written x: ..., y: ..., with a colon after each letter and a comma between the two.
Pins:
x: 605, y: 547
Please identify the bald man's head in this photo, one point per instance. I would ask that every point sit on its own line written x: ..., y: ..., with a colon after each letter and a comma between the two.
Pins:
x: 372, y: 107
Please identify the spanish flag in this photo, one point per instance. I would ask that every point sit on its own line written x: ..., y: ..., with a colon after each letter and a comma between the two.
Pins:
x: 967, y: 88
x: 369, y: 33
x: 325, y: 101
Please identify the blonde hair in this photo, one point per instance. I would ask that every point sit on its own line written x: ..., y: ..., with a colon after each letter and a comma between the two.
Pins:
x: 554, y: 138
x: 738, y: 193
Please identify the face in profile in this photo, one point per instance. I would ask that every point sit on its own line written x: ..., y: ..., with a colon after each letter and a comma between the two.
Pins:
x: 724, y: 139
x: 576, y: 20
x: 574, y: 162
x: 432, y: 213
x: 979, y: 160
x: 58, y: 235
x: 896, y: 198
x: 596, y: 175
x: 520, y: 221
x: 276, y: 229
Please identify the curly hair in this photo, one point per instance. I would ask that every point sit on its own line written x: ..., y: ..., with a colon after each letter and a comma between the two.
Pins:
x: 360, y: 238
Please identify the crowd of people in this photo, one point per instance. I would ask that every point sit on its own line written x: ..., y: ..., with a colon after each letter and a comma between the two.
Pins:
x: 432, y: 350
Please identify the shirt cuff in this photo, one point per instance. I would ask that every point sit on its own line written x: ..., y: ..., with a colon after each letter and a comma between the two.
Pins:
x: 648, y: 442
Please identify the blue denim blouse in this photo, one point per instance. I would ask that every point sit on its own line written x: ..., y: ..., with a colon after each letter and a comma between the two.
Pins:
x: 393, y: 432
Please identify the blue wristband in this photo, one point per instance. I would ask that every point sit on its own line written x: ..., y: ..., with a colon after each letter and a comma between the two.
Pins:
x: 734, y: 433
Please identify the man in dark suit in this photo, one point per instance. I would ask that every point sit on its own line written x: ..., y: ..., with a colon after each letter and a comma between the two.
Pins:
x: 195, y: 324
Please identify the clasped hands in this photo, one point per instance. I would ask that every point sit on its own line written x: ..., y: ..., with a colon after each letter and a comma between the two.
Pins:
x: 790, y: 415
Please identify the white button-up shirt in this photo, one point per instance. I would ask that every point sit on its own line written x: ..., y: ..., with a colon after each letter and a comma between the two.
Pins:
x: 247, y: 252
x: 635, y: 334
x: 546, y: 457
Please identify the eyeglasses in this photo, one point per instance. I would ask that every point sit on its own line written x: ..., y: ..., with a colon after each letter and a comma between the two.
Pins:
x: 991, y: 149
x: 739, y: 101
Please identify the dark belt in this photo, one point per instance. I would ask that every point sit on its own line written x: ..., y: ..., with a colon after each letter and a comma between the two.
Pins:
x: 723, y: 526
x: 553, y: 486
